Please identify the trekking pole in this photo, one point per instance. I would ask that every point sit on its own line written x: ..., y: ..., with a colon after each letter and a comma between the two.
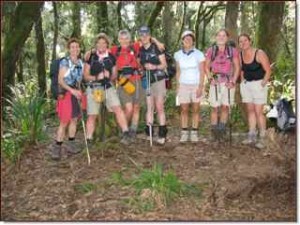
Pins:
x: 103, y: 114
x: 229, y: 111
x: 84, y: 132
x: 149, y: 103
x: 215, y: 78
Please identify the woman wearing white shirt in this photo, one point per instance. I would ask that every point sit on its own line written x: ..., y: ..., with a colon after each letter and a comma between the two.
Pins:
x: 190, y: 82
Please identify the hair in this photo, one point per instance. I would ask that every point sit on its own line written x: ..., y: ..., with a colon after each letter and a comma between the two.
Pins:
x: 72, y: 40
x: 124, y: 32
x: 223, y: 30
x: 104, y: 37
x: 246, y: 36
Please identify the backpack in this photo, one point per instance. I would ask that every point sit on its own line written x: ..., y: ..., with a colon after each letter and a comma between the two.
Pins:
x: 228, y: 48
x: 54, y: 70
x: 282, y: 114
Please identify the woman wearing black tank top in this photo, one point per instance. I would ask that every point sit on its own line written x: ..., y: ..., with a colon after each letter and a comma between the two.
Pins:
x: 255, y: 75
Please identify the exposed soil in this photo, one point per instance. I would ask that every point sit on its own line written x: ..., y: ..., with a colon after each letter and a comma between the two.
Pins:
x: 239, y: 182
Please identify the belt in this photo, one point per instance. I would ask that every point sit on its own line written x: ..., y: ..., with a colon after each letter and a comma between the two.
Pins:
x: 98, y: 84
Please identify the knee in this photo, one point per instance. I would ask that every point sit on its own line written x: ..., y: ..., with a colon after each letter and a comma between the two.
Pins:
x: 91, y: 119
x: 214, y: 110
x: 136, y: 108
x: 224, y: 108
x: 160, y: 109
x: 117, y: 110
x: 63, y: 125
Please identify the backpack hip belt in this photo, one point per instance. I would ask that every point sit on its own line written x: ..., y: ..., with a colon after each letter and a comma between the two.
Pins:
x: 158, y: 75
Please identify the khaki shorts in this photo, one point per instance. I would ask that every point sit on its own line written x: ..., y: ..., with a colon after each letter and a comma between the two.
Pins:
x: 135, y: 98
x: 222, y: 95
x: 187, y: 93
x: 254, y: 92
x: 93, y: 107
x: 158, y: 89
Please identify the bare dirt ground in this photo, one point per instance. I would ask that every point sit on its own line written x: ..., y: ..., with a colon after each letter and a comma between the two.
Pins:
x: 239, y: 183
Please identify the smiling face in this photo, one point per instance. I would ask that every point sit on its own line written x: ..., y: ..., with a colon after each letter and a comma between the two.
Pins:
x: 188, y: 42
x: 145, y: 38
x: 101, y: 45
x: 221, y: 37
x: 124, y: 40
x: 244, y: 42
x: 74, y: 49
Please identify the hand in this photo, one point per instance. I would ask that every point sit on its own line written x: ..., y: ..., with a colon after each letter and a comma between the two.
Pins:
x: 264, y: 83
x: 213, y: 81
x: 199, y: 92
x: 87, y: 55
x: 230, y: 84
x: 106, y: 73
x: 149, y: 66
x: 100, y: 76
x: 161, y: 47
x: 76, y: 93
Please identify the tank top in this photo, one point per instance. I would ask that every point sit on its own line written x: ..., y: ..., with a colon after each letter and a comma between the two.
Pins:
x: 254, y: 70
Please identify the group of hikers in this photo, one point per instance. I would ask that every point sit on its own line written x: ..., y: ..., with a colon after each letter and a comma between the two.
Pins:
x: 131, y: 73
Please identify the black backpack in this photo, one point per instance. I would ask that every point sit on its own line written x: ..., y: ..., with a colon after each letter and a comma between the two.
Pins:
x: 286, y: 119
x: 54, y: 70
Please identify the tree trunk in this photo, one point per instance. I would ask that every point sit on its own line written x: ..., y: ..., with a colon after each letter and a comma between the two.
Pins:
x: 177, y: 43
x: 102, y: 17
x: 167, y: 23
x: 119, y: 8
x: 40, y: 54
x: 139, y: 17
x: 245, y: 28
x: 197, y: 24
x: 270, y: 20
x: 20, y: 70
x: 231, y: 17
x: 55, y: 14
x: 25, y: 15
x: 154, y: 14
x: 76, y: 20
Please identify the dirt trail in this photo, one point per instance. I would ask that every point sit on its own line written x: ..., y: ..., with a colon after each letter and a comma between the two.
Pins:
x: 239, y: 183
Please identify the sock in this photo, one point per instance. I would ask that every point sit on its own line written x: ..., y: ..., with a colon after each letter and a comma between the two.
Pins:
x: 59, y: 142
x: 133, y: 127
x: 195, y: 129
x: 262, y: 133
x: 185, y: 128
x: 71, y: 138
x: 214, y: 126
x: 222, y: 126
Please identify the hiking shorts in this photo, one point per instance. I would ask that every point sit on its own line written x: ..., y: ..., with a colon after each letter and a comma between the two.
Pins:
x: 254, y: 92
x: 93, y: 107
x: 187, y: 94
x: 221, y: 98
x: 136, y: 98
x: 158, y: 89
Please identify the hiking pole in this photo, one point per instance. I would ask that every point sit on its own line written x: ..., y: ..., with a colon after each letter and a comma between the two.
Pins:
x: 84, y: 132
x: 229, y: 111
x: 215, y: 78
x: 103, y: 114
x: 149, y: 104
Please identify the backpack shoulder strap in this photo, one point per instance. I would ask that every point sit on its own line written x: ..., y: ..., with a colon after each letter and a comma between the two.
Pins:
x: 230, y: 52
x: 118, y: 51
x: 214, y: 53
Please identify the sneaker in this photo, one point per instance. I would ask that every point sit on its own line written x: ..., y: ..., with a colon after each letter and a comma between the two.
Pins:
x: 251, y: 139
x: 55, y: 151
x: 194, y: 136
x: 184, y: 136
x: 161, y: 140
x: 126, y: 138
x: 73, y: 147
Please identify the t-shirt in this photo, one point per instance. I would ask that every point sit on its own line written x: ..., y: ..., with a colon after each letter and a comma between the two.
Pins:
x: 222, y: 63
x: 150, y: 55
x: 189, y: 65
x: 74, y: 71
x: 127, y: 56
x: 98, y: 62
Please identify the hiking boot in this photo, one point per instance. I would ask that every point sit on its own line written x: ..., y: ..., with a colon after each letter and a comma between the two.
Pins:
x: 55, y: 151
x: 214, y: 133
x: 73, y: 147
x: 132, y: 134
x: 161, y: 140
x: 126, y: 138
x: 260, y: 144
x: 251, y: 139
x: 221, y: 133
x: 194, y: 136
x: 162, y: 133
x: 184, y: 136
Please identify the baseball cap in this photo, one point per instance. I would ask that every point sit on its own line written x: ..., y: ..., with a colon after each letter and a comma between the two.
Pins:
x: 144, y: 30
x: 187, y: 32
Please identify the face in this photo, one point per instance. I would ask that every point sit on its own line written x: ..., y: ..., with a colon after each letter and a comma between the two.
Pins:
x: 221, y: 38
x: 74, y: 49
x: 101, y: 45
x: 145, y: 38
x: 244, y: 43
x: 124, y: 40
x: 187, y: 41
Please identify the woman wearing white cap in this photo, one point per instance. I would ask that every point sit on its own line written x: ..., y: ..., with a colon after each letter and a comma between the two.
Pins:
x: 190, y: 81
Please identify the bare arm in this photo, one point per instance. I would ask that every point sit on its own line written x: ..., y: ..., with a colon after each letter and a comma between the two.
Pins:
x: 61, y: 82
x: 202, y: 72
x: 264, y: 60
x: 207, y: 68
x: 160, y: 45
x: 236, y: 65
x: 177, y: 74
x: 163, y: 63
x: 86, y: 73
